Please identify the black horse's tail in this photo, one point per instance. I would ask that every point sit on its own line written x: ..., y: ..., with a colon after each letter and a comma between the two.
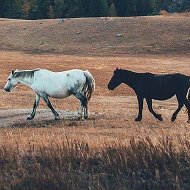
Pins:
x: 188, y: 92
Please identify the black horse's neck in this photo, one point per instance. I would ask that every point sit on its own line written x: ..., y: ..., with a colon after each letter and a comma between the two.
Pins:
x: 129, y: 77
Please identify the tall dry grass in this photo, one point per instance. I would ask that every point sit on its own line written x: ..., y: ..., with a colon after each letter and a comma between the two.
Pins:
x: 73, y: 164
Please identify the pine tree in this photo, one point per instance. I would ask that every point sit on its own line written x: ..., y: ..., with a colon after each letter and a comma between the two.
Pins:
x: 2, y: 8
x: 84, y: 8
x: 121, y: 7
x: 186, y: 5
x: 43, y: 9
x: 72, y: 8
x: 109, y: 2
x: 112, y: 11
x: 158, y: 4
x: 131, y: 8
x: 98, y: 8
x: 11, y: 8
x: 146, y: 7
x: 179, y: 6
x: 149, y: 8
x: 59, y: 8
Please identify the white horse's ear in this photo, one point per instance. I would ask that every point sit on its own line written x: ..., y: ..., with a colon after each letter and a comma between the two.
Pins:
x: 12, y: 72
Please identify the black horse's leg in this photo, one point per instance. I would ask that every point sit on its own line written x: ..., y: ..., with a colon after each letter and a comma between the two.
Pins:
x: 180, y: 105
x: 149, y: 103
x: 46, y: 99
x: 140, y: 102
x: 36, y: 103
x: 187, y: 104
x: 84, y: 103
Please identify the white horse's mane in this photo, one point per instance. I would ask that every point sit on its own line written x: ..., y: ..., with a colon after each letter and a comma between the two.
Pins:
x: 25, y: 73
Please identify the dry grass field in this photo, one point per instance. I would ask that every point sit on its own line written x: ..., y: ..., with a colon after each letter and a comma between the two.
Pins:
x: 98, y: 152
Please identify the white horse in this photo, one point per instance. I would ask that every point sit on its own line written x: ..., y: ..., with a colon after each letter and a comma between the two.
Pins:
x: 46, y: 84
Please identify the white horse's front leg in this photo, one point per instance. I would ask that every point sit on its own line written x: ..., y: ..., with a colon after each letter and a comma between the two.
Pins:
x: 46, y: 99
x: 36, y: 103
x: 80, y: 110
x: 86, y: 112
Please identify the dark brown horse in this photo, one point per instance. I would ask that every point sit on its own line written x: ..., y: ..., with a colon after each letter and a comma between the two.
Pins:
x: 151, y: 86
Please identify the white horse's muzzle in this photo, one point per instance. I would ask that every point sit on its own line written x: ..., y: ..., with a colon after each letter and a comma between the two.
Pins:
x: 7, y: 89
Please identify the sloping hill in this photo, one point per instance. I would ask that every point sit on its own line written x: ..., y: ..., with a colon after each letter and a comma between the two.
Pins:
x: 98, y: 36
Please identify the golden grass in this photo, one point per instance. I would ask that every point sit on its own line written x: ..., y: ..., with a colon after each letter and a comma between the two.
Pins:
x: 69, y: 163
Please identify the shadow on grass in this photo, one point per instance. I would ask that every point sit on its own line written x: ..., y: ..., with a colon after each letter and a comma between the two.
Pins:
x: 72, y: 164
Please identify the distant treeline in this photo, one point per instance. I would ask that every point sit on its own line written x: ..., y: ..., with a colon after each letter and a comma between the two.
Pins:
x: 41, y: 9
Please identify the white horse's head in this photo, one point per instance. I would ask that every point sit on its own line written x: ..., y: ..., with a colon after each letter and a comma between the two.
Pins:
x: 11, y: 82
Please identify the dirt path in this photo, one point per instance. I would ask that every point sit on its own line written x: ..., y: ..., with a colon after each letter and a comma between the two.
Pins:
x: 104, y: 111
x: 17, y: 117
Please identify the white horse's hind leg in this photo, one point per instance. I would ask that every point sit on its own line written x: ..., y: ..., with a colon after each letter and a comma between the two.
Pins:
x: 80, y: 110
x: 86, y: 112
x: 83, y: 111
x: 36, y: 103
x: 84, y: 108
x: 46, y: 99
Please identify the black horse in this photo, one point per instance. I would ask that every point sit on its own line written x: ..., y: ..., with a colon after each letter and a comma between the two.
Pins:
x: 151, y: 86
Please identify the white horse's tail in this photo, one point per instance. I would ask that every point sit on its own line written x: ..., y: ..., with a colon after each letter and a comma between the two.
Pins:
x: 90, y: 84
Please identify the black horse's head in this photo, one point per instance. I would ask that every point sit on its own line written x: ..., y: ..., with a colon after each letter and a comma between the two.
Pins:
x: 115, y: 80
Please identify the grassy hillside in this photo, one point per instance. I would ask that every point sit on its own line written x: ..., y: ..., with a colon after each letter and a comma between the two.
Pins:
x: 98, y: 36
x: 109, y: 150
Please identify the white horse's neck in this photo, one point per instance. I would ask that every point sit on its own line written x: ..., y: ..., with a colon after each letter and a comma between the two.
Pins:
x: 25, y: 80
x: 25, y: 77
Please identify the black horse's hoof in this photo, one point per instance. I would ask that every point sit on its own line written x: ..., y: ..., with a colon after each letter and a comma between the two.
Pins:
x: 173, y: 119
x: 138, y: 119
x: 188, y: 121
x: 159, y: 117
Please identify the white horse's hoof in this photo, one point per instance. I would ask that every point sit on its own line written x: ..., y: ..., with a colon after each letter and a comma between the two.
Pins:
x: 29, y: 117
x: 86, y: 117
x: 57, y: 117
